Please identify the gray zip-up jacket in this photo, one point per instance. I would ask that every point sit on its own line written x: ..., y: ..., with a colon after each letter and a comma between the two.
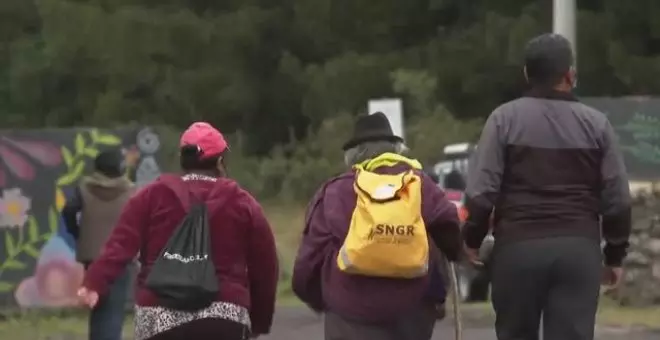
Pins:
x: 549, y: 166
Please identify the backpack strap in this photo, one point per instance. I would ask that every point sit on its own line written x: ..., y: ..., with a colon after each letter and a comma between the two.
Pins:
x: 186, y: 197
x: 180, y: 189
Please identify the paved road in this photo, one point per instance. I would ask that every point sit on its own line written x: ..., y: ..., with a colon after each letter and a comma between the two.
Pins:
x: 296, y: 323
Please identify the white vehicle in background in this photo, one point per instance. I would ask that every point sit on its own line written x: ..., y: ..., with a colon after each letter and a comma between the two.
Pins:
x: 473, y: 282
x: 454, y: 157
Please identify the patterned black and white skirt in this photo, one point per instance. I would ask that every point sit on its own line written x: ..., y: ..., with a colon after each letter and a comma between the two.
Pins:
x: 151, y: 321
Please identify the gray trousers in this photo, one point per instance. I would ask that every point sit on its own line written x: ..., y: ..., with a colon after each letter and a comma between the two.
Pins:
x: 412, y: 326
x: 106, y: 320
x: 553, y: 279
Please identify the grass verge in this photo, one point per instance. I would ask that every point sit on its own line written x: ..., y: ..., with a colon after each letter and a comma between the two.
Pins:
x: 40, y: 325
x: 609, y: 314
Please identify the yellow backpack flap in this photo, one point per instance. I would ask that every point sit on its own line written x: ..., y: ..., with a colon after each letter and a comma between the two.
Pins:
x: 387, y: 236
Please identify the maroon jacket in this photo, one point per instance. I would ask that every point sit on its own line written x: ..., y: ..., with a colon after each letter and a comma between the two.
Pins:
x: 242, y: 243
x: 318, y: 281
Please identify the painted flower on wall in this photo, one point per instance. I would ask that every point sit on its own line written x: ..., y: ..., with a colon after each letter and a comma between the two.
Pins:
x: 14, y: 208
x: 20, y: 156
x: 56, y: 278
x: 58, y: 281
x: 44, y: 238
x: 54, y: 284
x: 60, y: 199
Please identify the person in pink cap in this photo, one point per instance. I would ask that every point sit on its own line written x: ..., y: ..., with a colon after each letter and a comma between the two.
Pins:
x: 242, y: 249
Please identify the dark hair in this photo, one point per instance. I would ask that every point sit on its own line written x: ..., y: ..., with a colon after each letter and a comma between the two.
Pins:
x: 110, y: 163
x: 190, y: 158
x: 548, y: 58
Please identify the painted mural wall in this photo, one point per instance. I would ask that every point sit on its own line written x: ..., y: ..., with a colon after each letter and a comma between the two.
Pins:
x: 39, y: 169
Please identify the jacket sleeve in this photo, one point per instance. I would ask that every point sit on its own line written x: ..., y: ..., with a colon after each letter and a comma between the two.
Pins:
x: 615, y: 200
x: 73, y: 206
x: 263, y: 269
x: 307, y: 268
x: 122, y: 245
x: 484, y: 180
x: 441, y: 218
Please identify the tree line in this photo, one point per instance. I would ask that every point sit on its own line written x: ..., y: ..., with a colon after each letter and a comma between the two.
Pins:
x: 278, y: 69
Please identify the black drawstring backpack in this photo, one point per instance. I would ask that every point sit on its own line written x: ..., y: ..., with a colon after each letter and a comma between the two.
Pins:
x: 183, y: 276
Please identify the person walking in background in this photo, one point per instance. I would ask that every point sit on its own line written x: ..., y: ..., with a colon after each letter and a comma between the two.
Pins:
x: 552, y: 168
x: 242, y: 249
x: 363, y: 229
x: 98, y: 202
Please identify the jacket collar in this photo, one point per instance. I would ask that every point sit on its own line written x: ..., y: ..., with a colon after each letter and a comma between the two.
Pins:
x: 551, y: 94
x: 101, y: 180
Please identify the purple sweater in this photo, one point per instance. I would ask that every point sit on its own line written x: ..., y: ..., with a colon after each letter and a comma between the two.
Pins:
x: 321, y: 285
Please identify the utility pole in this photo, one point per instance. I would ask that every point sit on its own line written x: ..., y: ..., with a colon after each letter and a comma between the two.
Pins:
x: 563, y: 21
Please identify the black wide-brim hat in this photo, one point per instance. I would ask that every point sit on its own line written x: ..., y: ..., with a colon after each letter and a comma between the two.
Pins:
x: 370, y: 128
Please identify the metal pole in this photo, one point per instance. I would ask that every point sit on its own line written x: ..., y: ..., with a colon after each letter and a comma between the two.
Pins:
x: 563, y: 21
x: 456, y: 299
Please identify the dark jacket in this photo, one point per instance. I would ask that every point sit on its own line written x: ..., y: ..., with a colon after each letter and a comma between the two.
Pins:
x: 242, y: 244
x: 99, y: 200
x: 550, y: 166
x: 317, y: 279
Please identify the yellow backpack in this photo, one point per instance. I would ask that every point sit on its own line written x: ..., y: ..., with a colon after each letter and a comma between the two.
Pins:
x: 387, y: 236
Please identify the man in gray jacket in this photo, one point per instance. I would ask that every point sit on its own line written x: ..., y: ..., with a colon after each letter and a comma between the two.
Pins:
x: 90, y: 215
x: 551, y: 169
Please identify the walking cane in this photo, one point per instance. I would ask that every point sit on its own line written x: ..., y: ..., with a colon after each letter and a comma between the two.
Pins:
x: 458, y: 323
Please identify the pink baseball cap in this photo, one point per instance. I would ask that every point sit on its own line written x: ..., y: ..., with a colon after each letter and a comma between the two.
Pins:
x: 207, y: 139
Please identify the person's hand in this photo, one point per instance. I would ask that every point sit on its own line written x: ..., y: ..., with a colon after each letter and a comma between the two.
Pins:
x: 472, y: 255
x: 88, y: 297
x: 612, y: 277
